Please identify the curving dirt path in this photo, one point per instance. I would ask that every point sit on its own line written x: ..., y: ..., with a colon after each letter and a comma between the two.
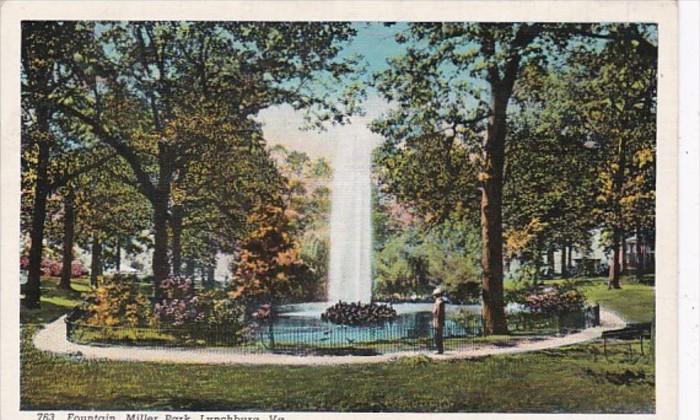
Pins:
x: 53, y: 339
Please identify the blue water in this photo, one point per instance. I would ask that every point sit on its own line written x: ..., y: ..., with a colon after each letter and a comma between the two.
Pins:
x: 303, y: 324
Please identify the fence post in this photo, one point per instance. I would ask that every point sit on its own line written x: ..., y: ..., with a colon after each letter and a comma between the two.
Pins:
x: 69, y: 330
x: 605, y: 347
x: 652, y: 338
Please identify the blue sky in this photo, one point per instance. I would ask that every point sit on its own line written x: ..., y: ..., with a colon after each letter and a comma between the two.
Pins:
x: 375, y: 42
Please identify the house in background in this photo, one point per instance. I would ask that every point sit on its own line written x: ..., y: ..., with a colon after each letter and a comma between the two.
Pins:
x: 633, y: 261
x: 596, y: 260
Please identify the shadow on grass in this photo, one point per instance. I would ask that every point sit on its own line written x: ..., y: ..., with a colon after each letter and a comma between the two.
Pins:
x: 54, y: 302
x: 48, y: 312
x: 625, y: 377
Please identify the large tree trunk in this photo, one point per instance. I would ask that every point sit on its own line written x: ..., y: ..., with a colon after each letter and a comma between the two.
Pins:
x: 161, y: 205
x: 118, y: 255
x: 564, y: 271
x: 639, y: 269
x: 68, y: 236
x: 190, y: 268
x: 618, y: 236
x: 493, y: 310
x: 614, y: 274
x: 623, y: 255
x: 96, y: 264
x: 161, y: 267
x: 569, y: 265
x: 550, y: 261
x: 32, y: 294
x: 176, y: 226
x: 210, y: 275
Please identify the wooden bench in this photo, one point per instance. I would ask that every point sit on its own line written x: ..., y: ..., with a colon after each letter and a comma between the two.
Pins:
x: 629, y: 332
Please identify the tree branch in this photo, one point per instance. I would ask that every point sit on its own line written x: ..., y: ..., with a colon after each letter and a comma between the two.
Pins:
x: 145, y: 184
x: 66, y: 177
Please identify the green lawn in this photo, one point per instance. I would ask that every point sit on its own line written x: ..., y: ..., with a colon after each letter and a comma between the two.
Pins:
x: 54, y: 302
x: 575, y: 379
x: 570, y: 379
x: 634, y: 301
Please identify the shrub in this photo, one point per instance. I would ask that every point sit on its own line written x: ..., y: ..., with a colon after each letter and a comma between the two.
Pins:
x: 421, y: 360
x: 77, y: 269
x: 195, y: 314
x: 179, y: 303
x: 467, y: 291
x: 220, y: 311
x: 51, y: 267
x: 117, y: 304
x: 557, y: 299
x: 269, y: 268
x: 358, y: 313
x: 470, y: 321
x: 125, y: 278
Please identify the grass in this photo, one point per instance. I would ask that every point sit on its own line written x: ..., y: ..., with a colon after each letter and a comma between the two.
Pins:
x: 634, y: 301
x: 572, y: 379
x: 399, y: 345
x: 54, y: 302
x: 568, y: 379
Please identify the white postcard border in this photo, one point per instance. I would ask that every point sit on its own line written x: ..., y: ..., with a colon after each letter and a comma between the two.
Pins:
x: 663, y: 12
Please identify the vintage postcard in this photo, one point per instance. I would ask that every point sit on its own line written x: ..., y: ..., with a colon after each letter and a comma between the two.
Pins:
x: 291, y: 210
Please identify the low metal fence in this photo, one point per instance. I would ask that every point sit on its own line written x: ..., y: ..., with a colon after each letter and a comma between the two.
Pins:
x: 554, y: 323
x: 331, y: 339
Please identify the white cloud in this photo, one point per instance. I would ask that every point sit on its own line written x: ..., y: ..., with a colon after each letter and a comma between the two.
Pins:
x: 281, y: 125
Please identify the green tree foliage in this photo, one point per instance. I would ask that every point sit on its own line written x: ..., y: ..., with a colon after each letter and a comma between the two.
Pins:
x: 134, y: 82
x: 419, y: 259
x: 550, y: 175
x: 616, y: 101
x: 50, y: 155
x: 111, y: 216
x: 453, y: 85
x: 228, y: 173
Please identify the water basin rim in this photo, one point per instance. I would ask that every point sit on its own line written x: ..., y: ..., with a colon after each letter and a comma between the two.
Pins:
x: 315, y: 309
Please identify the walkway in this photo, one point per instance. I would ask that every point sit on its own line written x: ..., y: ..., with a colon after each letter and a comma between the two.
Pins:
x: 53, y: 339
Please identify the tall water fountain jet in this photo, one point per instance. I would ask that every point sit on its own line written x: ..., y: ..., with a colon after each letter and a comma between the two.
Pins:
x: 350, y: 277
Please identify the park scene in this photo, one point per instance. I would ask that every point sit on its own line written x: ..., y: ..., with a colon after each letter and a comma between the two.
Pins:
x: 338, y: 216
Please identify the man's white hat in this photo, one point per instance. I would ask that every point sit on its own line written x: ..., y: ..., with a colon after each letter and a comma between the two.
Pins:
x: 437, y: 291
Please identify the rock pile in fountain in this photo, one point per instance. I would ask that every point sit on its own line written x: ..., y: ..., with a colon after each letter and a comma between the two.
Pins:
x: 357, y: 313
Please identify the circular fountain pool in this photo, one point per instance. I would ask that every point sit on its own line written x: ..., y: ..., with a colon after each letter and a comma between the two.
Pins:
x: 302, y: 323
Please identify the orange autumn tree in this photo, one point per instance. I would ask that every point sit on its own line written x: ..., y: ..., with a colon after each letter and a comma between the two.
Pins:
x: 269, y: 268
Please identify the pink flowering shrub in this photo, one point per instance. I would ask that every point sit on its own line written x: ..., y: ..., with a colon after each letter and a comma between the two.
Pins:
x: 50, y: 267
x: 179, y: 303
x: 183, y: 306
x: 183, y: 315
x: 77, y: 269
x: 557, y: 299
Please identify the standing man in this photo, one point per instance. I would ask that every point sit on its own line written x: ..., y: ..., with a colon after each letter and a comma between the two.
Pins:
x: 438, y: 319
